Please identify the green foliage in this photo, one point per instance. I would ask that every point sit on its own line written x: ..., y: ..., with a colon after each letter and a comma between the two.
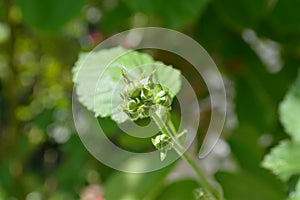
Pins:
x: 284, y: 159
x: 285, y: 16
x: 246, y: 186
x: 36, y: 89
x: 248, y: 154
x: 117, y: 18
x: 173, y: 15
x: 289, y: 112
x: 295, y: 195
x: 250, y: 95
x: 251, y: 10
x: 202, y: 194
x: 179, y: 190
x: 110, y: 63
x: 50, y: 15
x: 127, y: 186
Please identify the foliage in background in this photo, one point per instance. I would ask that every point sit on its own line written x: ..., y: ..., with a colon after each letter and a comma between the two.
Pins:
x: 255, y: 45
x: 284, y: 158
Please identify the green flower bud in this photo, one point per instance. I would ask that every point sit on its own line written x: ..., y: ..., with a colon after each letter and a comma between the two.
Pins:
x: 133, y: 115
x: 163, y: 97
x: 163, y: 143
x: 165, y: 101
x: 146, y: 94
x: 146, y: 110
x: 136, y: 93
x: 132, y: 105
x: 141, y: 97
x: 149, y: 86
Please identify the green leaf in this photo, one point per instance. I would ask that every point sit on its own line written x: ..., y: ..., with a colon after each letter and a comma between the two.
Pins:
x: 249, y: 155
x: 173, y: 15
x: 295, y: 195
x: 99, y: 81
x: 284, y: 159
x: 78, y: 156
x: 253, y: 104
x: 241, y: 14
x: 50, y: 15
x: 128, y: 186
x: 116, y: 19
x: 282, y: 24
x: 285, y: 16
x: 246, y: 186
x: 289, y: 111
x: 245, y: 148
x: 183, y: 189
x: 256, y: 94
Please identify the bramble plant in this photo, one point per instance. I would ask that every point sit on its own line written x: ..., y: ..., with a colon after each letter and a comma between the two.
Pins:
x: 238, y: 60
x: 146, y: 92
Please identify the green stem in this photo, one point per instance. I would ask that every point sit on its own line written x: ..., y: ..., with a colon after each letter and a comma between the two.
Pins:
x: 171, y: 126
x: 181, y: 151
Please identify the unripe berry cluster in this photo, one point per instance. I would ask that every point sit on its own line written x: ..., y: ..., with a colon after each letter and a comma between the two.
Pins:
x: 140, y: 98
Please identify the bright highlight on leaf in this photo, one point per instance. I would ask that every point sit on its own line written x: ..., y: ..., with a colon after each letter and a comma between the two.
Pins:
x: 290, y: 112
x: 284, y: 159
x: 295, y: 195
x: 99, y: 80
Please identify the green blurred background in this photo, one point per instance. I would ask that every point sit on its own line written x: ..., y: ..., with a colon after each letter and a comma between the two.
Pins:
x: 255, y: 43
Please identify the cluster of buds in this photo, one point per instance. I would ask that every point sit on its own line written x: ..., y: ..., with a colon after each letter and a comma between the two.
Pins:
x: 163, y: 143
x: 142, y: 97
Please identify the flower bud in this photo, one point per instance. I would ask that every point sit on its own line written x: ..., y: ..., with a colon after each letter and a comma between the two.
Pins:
x: 163, y: 97
x: 162, y: 142
x: 141, y: 97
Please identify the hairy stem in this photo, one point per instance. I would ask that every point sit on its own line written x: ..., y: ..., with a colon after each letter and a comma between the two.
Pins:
x: 170, y: 130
